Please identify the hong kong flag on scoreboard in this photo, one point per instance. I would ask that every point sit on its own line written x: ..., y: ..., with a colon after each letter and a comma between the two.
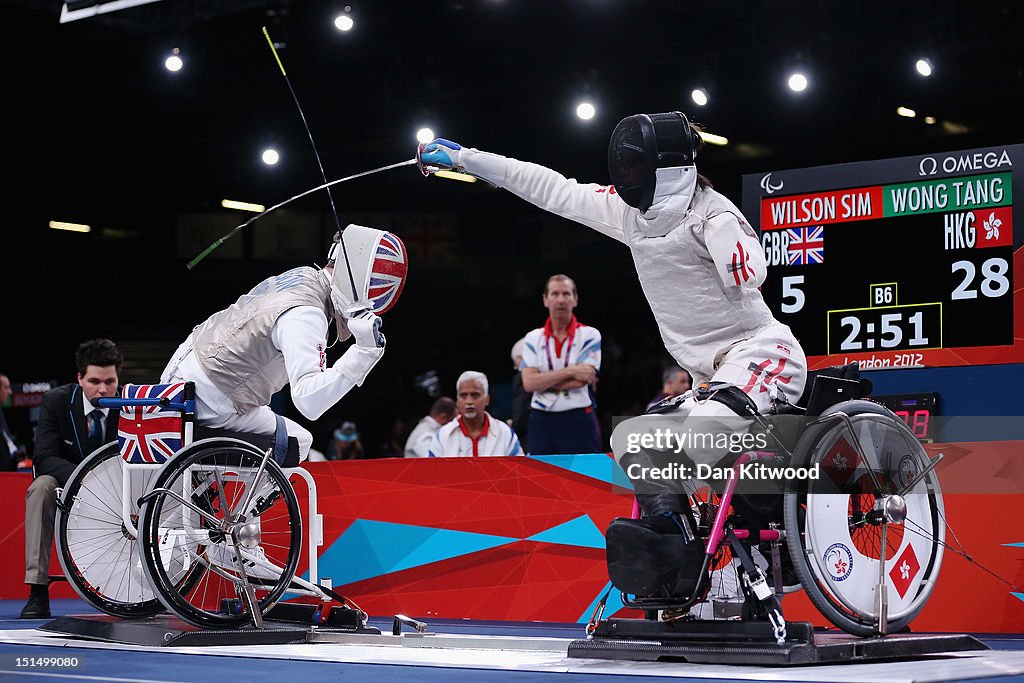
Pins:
x: 994, y: 227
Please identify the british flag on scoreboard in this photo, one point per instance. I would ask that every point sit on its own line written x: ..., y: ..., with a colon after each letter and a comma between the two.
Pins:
x: 388, y: 273
x: 150, y: 434
x: 806, y: 245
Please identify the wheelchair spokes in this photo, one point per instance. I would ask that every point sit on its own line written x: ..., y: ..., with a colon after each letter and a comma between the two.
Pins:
x: 242, y: 543
x: 837, y: 523
x: 97, y: 550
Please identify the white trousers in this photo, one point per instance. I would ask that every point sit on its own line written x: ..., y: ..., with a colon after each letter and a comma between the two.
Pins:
x: 214, y: 409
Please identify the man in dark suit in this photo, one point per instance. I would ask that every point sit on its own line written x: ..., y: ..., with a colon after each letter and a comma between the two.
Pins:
x: 10, y: 452
x: 70, y: 428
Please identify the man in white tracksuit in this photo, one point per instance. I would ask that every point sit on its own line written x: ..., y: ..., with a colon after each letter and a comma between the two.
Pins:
x: 699, y: 262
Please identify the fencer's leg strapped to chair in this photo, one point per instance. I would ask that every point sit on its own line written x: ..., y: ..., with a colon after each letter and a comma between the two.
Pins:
x: 660, y: 554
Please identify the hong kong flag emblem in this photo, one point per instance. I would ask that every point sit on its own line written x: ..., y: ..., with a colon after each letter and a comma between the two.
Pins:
x: 994, y: 227
x: 840, y: 463
x: 904, y: 570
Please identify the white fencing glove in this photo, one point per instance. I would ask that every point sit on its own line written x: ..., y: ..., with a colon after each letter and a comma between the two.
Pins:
x: 365, y: 327
x: 360, y: 358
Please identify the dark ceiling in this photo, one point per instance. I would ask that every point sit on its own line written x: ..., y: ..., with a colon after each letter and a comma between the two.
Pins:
x: 100, y: 130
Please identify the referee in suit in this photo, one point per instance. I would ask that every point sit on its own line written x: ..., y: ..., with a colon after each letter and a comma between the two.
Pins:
x: 69, y: 429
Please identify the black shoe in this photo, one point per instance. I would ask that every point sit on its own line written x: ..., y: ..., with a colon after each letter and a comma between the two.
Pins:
x: 37, y: 607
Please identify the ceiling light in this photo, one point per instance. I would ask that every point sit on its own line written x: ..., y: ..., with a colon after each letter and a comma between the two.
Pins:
x: 585, y: 110
x: 424, y: 135
x: 242, y: 206
x: 904, y: 111
x: 713, y: 139
x: 344, y: 22
x: 924, y: 67
x: 930, y: 120
x: 455, y: 175
x: 71, y: 227
x: 270, y: 156
x: 797, y: 82
x: 83, y: 9
x: 699, y: 96
x: 174, y: 61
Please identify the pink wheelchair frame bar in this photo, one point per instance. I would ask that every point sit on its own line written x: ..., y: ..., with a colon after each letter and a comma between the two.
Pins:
x: 717, y: 534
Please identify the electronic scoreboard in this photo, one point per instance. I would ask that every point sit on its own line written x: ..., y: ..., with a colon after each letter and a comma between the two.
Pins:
x: 906, y: 262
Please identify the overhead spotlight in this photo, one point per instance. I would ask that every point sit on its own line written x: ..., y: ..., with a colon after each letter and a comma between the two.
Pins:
x: 343, y: 22
x: 270, y: 156
x: 713, y: 139
x: 924, y: 67
x: 174, y: 62
x: 930, y: 120
x: 699, y: 96
x: 797, y: 82
x: 585, y: 110
x: 242, y: 206
x: 71, y: 227
x: 905, y: 111
x: 455, y: 175
x: 424, y: 135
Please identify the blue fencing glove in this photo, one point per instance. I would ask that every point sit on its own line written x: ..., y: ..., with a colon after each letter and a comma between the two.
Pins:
x: 437, y: 155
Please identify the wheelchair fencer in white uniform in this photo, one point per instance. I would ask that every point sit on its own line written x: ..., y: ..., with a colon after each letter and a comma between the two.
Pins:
x: 199, y: 515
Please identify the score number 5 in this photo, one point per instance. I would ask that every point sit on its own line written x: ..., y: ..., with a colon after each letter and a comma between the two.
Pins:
x: 791, y: 291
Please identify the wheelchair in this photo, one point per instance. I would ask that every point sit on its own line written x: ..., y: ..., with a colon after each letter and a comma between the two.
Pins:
x: 203, y: 523
x: 865, y: 537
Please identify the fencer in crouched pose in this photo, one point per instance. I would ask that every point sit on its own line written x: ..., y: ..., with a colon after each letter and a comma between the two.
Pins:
x: 277, y: 335
x: 700, y: 265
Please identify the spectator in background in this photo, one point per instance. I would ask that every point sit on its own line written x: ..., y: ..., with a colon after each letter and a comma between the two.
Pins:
x: 70, y: 428
x: 560, y: 365
x: 10, y: 451
x: 393, y: 445
x: 441, y: 413
x: 520, y: 397
x: 674, y: 382
x: 473, y: 432
x: 345, y: 443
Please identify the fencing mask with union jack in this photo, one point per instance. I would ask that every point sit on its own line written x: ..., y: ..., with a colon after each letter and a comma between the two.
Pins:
x: 378, y: 263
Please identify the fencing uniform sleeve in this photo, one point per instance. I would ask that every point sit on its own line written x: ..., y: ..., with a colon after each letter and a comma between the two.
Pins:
x: 301, y: 335
x: 737, y: 253
x: 595, y: 206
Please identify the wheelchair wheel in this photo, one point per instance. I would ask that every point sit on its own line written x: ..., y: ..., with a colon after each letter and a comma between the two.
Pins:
x: 835, y: 523
x: 97, y: 552
x: 206, y: 536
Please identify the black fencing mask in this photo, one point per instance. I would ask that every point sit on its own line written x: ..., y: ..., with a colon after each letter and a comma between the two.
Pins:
x: 643, y: 143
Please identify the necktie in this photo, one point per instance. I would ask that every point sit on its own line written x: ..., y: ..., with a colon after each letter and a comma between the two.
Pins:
x: 95, y: 429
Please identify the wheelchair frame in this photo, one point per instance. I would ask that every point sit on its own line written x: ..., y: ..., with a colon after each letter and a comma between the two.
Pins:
x: 314, y: 522
x: 888, y: 510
